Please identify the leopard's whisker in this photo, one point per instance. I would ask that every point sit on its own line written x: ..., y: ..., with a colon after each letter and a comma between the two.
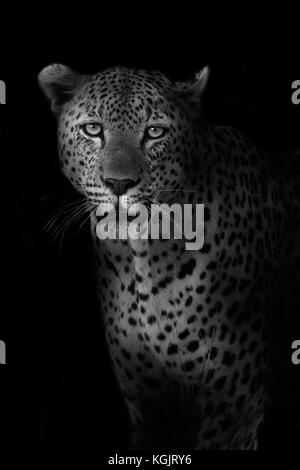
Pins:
x: 71, y: 215
x: 63, y: 210
x: 67, y: 221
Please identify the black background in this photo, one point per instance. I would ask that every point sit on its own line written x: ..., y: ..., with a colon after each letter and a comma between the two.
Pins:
x: 57, y: 389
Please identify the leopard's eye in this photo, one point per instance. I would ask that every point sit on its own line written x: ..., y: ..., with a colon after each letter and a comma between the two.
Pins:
x: 92, y: 129
x: 154, y: 132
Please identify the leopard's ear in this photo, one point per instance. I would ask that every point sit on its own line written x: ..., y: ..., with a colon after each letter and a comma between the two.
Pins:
x: 59, y: 84
x: 193, y: 90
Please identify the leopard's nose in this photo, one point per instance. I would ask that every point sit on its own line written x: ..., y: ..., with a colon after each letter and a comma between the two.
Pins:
x: 120, y: 186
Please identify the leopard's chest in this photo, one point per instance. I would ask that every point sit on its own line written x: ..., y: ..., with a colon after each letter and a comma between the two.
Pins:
x: 174, y: 309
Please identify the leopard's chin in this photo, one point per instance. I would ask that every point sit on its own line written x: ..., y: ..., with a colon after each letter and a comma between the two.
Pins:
x: 119, y: 223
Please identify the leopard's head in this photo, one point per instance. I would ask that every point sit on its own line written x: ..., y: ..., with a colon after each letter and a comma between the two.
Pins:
x: 124, y: 135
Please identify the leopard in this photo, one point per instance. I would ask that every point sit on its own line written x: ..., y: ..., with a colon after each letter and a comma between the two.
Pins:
x: 192, y: 334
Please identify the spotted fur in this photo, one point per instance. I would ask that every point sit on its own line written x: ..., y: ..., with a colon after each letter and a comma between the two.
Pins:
x: 191, y: 334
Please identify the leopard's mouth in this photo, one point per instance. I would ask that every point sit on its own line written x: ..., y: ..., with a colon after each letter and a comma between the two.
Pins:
x: 119, y: 223
x: 108, y: 216
x: 117, y: 214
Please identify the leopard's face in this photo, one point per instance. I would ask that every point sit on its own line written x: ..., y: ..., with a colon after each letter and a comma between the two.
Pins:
x: 124, y: 136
